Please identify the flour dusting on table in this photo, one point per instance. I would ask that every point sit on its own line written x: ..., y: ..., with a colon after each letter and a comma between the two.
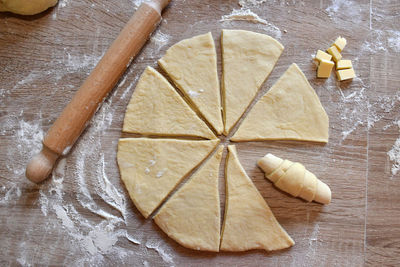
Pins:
x: 160, y: 39
x: 248, y: 15
x: 244, y: 3
x: 100, y: 196
x: 90, y: 240
x: 394, y: 40
x: 244, y: 14
x: 348, y: 9
x: 97, y: 221
x: 394, y: 155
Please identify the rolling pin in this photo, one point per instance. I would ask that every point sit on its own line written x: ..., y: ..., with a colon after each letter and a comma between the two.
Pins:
x: 75, y: 116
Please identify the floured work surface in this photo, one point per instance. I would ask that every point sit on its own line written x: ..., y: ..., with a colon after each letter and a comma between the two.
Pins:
x: 83, y: 214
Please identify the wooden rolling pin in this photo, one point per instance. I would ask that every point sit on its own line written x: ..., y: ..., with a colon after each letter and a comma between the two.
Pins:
x: 72, y: 121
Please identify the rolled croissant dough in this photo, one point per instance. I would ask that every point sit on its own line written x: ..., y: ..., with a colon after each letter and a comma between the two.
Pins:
x: 26, y: 7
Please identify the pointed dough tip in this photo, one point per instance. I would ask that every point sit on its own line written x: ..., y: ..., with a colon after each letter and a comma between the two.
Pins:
x: 269, y: 163
x: 323, y: 194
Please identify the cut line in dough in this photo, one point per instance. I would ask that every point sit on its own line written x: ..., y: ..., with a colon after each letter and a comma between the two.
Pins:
x: 247, y: 60
x: 192, y: 66
x: 152, y: 168
x: 156, y: 108
x: 192, y: 215
x: 249, y: 222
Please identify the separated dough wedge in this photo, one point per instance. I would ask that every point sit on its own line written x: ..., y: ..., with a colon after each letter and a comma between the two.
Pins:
x: 249, y: 223
x: 192, y: 215
x: 289, y: 110
x: 157, y: 109
x: 247, y: 59
x: 192, y: 65
x: 151, y: 168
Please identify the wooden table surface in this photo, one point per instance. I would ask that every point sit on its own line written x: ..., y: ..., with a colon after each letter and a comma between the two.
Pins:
x: 83, y: 216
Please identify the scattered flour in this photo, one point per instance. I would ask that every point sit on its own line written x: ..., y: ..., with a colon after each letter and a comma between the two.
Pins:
x: 353, y: 111
x: 358, y: 110
x: 394, y: 40
x: 152, y: 162
x: 161, y: 173
x: 193, y: 93
x: 243, y: 14
x: 137, y: 3
x: 377, y: 43
x: 394, y: 155
x: 248, y: 15
x: 159, y: 39
x: 92, y: 240
x: 100, y: 238
x: 10, y: 195
x: 348, y: 9
x: 96, y: 241
x: 79, y: 62
x: 167, y: 257
x: 63, y: 3
x: 244, y: 3
x: 313, y: 242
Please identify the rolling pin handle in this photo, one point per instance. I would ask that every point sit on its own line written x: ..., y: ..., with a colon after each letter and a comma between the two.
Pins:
x: 41, y: 165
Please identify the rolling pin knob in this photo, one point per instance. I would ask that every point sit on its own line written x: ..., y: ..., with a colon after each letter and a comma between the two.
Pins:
x: 41, y: 165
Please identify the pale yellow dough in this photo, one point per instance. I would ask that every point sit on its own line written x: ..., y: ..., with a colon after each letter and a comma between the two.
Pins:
x: 249, y: 222
x: 192, y: 215
x: 157, y: 109
x: 26, y: 7
x: 295, y: 179
x: 151, y: 168
x: 289, y: 110
x: 192, y: 65
x: 247, y: 58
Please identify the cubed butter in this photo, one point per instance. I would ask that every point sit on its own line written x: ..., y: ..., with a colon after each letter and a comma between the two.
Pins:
x: 340, y: 43
x: 325, y: 68
x: 322, y: 55
x: 335, y: 53
x: 344, y: 64
x: 345, y: 74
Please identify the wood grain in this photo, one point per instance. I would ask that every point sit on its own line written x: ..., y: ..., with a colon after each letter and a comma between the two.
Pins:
x: 45, y: 58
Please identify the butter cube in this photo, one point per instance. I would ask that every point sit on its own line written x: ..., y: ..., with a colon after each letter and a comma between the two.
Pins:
x: 344, y: 64
x: 322, y: 55
x: 325, y: 68
x: 345, y: 74
x: 340, y: 43
x: 335, y: 53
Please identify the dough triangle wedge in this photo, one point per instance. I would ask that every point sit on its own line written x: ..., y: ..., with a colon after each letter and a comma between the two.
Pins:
x: 192, y: 215
x: 247, y: 60
x: 151, y: 168
x: 290, y: 110
x: 156, y: 108
x: 192, y: 65
x: 249, y: 222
